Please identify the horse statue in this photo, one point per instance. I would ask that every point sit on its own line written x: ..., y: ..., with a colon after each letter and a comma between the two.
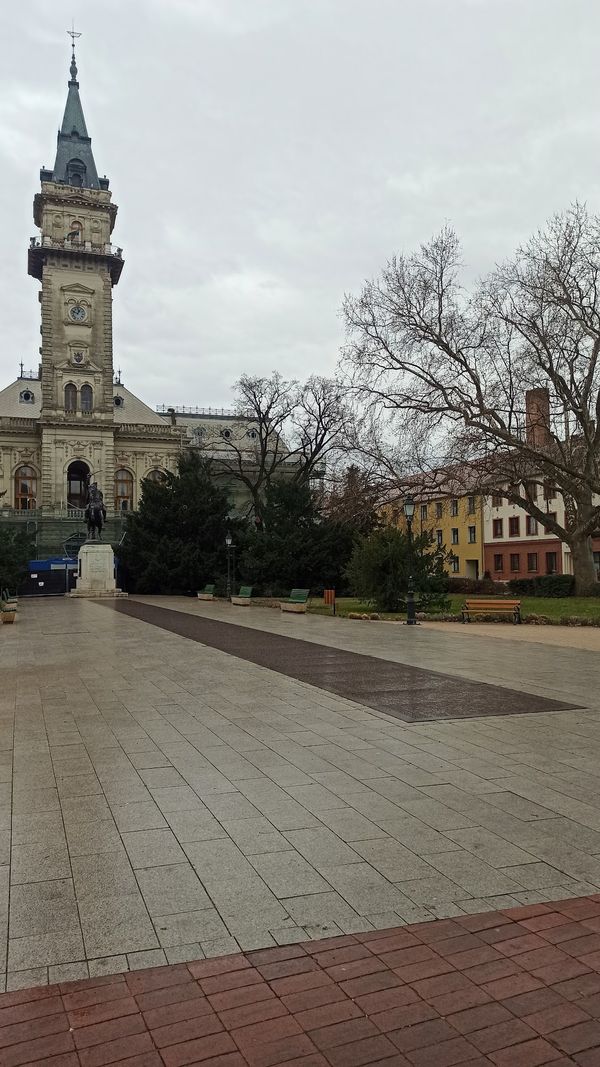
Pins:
x: 95, y: 513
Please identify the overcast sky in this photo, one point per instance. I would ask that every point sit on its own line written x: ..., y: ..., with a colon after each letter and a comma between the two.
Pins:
x: 268, y: 155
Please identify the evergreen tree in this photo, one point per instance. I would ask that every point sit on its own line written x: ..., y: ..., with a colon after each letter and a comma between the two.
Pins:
x: 175, y: 542
x: 16, y: 549
x: 382, y: 563
x: 298, y: 546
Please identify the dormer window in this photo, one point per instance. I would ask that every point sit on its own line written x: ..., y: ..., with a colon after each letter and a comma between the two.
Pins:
x: 26, y: 397
x: 118, y: 401
x: 253, y: 434
x: 76, y: 172
x: 226, y: 434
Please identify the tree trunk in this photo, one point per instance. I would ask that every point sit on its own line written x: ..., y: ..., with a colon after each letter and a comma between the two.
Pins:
x: 583, y: 565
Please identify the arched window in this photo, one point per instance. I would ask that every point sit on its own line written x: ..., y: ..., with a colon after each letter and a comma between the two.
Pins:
x: 156, y: 476
x: 25, y: 488
x: 74, y: 233
x: 77, y: 479
x: 123, y: 490
x: 70, y: 397
x: 87, y: 398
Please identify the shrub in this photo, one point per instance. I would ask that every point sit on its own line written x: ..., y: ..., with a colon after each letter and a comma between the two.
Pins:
x: 471, y: 585
x: 546, y: 585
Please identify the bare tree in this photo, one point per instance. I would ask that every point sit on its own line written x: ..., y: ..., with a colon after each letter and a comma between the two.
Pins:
x: 283, y: 430
x: 421, y: 347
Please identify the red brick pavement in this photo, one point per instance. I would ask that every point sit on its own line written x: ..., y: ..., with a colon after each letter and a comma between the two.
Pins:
x: 517, y: 988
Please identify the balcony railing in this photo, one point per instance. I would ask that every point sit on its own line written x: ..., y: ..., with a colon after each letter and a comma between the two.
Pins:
x: 163, y: 409
x: 104, y: 249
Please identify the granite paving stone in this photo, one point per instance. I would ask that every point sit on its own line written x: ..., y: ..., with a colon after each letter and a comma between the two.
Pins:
x: 168, y: 890
x: 254, y: 836
x: 39, y: 862
x: 109, y: 926
x: 289, y: 807
x: 287, y: 874
x: 150, y: 848
x: 42, y: 907
x: 186, y: 927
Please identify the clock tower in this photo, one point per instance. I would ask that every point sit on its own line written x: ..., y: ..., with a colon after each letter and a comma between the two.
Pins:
x: 77, y: 265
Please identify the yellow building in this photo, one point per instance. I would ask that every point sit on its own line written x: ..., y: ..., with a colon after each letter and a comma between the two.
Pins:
x: 454, y: 522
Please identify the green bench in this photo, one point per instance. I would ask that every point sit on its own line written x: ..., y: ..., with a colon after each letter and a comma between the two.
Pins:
x: 296, y: 602
x: 244, y: 596
x: 208, y: 593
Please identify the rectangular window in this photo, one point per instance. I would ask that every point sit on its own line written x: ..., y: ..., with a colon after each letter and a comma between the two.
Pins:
x: 454, y: 535
x: 550, y: 562
x: 551, y: 515
x: 531, y: 490
x: 499, y: 563
x: 497, y: 527
x: 531, y: 526
x: 471, y: 505
x: 497, y: 500
x: 514, y: 526
x: 423, y: 511
x: 472, y: 535
x: 440, y: 537
x: 515, y: 561
x: 454, y: 507
x: 549, y: 491
x: 455, y: 564
x: 439, y: 509
x: 532, y: 563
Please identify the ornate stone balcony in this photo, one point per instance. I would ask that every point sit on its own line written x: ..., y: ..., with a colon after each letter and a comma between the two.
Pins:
x: 40, y: 246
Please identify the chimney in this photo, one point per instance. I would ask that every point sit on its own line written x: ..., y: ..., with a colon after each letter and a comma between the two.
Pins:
x: 537, y: 417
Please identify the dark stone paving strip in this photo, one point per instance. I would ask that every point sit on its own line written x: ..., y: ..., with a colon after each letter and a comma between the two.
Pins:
x: 412, y: 694
x: 515, y: 988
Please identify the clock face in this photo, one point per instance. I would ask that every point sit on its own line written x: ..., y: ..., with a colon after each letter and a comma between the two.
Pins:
x: 78, y: 313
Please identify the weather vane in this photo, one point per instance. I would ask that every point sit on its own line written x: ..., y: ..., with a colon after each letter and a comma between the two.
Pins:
x: 73, y: 35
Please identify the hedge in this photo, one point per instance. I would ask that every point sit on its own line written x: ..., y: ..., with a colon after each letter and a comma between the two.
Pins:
x: 546, y: 585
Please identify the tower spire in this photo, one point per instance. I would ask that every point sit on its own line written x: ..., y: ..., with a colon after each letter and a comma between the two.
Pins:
x: 74, y: 164
x: 73, y: 35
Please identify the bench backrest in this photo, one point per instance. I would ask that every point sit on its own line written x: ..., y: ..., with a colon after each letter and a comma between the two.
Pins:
x: 299, y: 596
x: 245, y: 590
x: 491, y: 605
x: 208, y: 589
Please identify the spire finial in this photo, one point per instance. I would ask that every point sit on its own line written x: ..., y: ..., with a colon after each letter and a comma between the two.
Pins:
x: 73, y: 35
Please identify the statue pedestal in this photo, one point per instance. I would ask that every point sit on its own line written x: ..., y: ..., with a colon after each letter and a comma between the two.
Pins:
x: 96, y: 573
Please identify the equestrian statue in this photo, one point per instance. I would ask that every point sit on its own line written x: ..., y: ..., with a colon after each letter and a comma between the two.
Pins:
x: 95, y: 512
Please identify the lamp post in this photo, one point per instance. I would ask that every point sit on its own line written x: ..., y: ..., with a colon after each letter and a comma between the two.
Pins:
x: 228, y: 543
x: 409, y: 512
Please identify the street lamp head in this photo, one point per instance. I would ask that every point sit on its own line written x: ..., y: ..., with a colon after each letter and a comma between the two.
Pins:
x: 228, y: 539
x: 409, y: 508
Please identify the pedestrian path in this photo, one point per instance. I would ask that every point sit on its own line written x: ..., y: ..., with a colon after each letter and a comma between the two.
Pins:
x: 163, y: 801
x: 515, y: 988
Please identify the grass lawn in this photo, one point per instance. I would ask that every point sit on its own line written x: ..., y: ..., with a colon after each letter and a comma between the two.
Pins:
x: 553, y: 607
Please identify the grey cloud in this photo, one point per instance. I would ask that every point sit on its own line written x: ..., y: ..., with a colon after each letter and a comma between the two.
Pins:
x: 267, y: 155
